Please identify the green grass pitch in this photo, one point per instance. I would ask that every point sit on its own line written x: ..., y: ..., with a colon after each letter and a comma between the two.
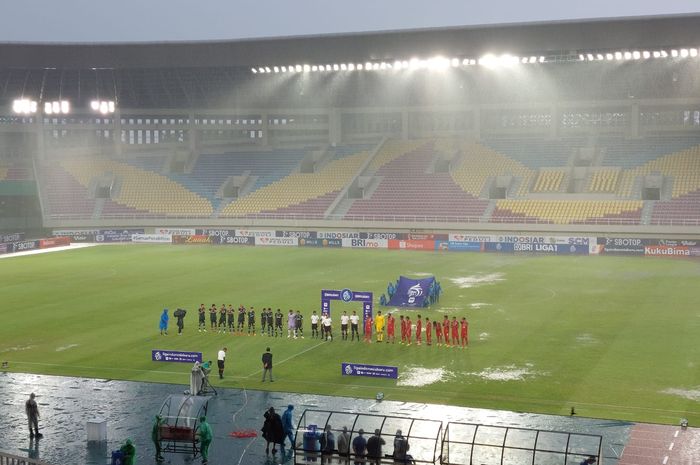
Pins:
x: 613, y: 337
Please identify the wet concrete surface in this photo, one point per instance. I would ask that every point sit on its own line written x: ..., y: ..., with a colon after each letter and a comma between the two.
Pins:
x: 66, y: 405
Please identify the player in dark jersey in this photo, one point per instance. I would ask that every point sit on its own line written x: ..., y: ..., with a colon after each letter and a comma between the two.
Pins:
x: 270, y: 320
x: 241, y: 319
x: 251, y: 321
x: 299, y: 324
x: 229, y: 318
x: 278, y: 323
x: 212, y: 317
x: 202, y: 312
x: 263, y: 321
x: 222, y: 319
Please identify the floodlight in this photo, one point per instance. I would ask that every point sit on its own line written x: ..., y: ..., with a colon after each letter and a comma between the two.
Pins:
x: 261, y: 70
x: 674, y: 53
x: 110, y: 106
x: 375, y: 66
x: 664, y: 53
x: 336, y: 67
x: 656, y: 54
x: 24, y: 106
x: 636, y: 55
x: 283, y: 69
x: 276, y: 69
x: 359, y: 67
x: 343, y: 66
x: 454, y: 62
x: 646, y: 54
x: 255, y: 71
x: 65, y: 107
x: 104, y: 109
x: 307, y: 68
x: 609, y: 56
x: 542, y: 59
x: 351, y: 66
x: 48, y: 108
x: 693, y: 52
x: 590, y: 57
x: 368, y: 65
x: 599, y: 56
x: 618, y: 55
x: 383, y: 65
x: 684, y: 52
x: 267, y: 69
x: 523, y: 60
x: 298, y: 68
x: 628, y: 55
x: 472, y: 62
x: 404, y: 64
x: 533, y: 59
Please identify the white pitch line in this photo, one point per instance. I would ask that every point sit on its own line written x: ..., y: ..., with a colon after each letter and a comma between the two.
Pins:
x: 675, y: 435
x: 670, y: 446
x: 665, y: 460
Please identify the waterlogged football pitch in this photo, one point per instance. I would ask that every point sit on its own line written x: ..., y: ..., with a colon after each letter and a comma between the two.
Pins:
x: 612, y: 337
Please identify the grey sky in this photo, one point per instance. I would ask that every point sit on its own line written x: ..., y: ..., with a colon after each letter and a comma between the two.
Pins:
x: 190, y: 20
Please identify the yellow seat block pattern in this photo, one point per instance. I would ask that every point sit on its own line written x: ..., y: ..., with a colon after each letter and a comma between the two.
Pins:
x: 481, y: 163
x: 393, y: 149
x: 298, y: 187
x: 3, y: 173
x: 683, y: 166
x: 569, y: 211
x: 140, y: 189
x: 604, y: 181
x: 548, y: 181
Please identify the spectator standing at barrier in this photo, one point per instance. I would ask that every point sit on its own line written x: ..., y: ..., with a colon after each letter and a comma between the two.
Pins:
x: 155, y: 437
x: 278, y: 323
x: 202, y: 314
x: 400, y: 448
x: 390, y: 328
x: 354, y: 321
x: 288, y: 425
x: 327, y: 441
x: 291, y: 324
x: 267, y: 364
x: 272, y: 430
x: 374, y: 448
x: 344, y: 320
x: 205, y: 437
x: 314, y: 325
x: 128, y: 451
x: 220, y: 361
x: 379, y: 323
x: 311, y: 444
x: 164, y: 322
x: 359, y: 447
x: 32, y: 411
x: 344, y: 446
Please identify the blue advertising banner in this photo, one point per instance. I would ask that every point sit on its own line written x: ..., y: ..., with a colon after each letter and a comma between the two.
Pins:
x: 505, y: 247
x: 464, y: 246
x: 411, y: 292
x: 175, y: 356
x: 374, y: 371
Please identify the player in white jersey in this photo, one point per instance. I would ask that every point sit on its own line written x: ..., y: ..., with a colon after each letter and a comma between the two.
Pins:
x: 344, y: 319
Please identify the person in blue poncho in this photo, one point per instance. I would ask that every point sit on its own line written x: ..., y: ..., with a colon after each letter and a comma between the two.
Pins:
x: 164, y: 322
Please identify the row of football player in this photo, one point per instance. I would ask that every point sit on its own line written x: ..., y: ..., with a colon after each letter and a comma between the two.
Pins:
x: 226, y: 319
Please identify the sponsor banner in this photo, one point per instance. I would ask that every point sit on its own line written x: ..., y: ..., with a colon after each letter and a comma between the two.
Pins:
x: 175, y: 231
x: 677, y: 242
x: 299, y: 234
x: 505, y: 247
x: 175, y: 356
x: 152, y: 238
x: 412, y: 245
x: 193, y: 239
x: 233, y: 240
x: 255, y: 233
x: 471, y: 237
x: 568, y: 240
x: 694, y: 251
x: 21, y: 246
x: 383, y: 235
x: 374, y: 371
x: 54, y: 242
x: 411, y: 292
x: 276, y: 241
x: 463, y: 246
x: 621, y: 250
x: 365, y: 243
x: 84, y: 238
x: 613, y: 242
x: 320, y: 242
x: 216, y: 232
x: 117, y: 235
x: 425, y: 237
x: 74, y: 232
x: 559, y: 249
x: 338, y: 235
x: 4, y: 248
x: 13, y: 237
x: 667, y: 251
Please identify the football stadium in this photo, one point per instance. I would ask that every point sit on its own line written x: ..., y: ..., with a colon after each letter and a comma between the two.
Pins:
x: 520, y: 203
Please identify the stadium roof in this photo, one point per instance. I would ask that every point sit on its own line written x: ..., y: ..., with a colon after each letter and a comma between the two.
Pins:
x: 519, y: 39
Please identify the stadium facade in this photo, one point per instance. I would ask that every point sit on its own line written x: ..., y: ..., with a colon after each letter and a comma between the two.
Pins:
x: 564, y: 126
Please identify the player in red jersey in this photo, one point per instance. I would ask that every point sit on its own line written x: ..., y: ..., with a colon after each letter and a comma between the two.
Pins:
x: 403, y: 329
x: 368, y: 329
x: 409, y: 329
x: 465, y: 332
x: 390, y: 328
x: 446, y: 330
x: 455, y: 331
x: 438, y: 332
x: 419, y: 330
x: 428, y: 331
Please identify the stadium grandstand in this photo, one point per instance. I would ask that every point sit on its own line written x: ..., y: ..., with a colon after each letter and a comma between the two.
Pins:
x: 565, y: 124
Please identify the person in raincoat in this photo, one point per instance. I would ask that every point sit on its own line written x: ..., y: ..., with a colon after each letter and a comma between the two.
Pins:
x: 128, y: 451
x: 155, y: 437
x: 180, y: 315
x: 164, y: 322
x: 205, y: 437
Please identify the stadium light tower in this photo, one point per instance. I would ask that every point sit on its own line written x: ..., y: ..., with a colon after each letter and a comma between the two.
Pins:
x: 57, y: 107
x: 103, y: 107
x: 24, y: 106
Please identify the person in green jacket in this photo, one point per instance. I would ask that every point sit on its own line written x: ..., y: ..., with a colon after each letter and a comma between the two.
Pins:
x: 129, y: 451
x: 155, y: 437
x: 205, y: 436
